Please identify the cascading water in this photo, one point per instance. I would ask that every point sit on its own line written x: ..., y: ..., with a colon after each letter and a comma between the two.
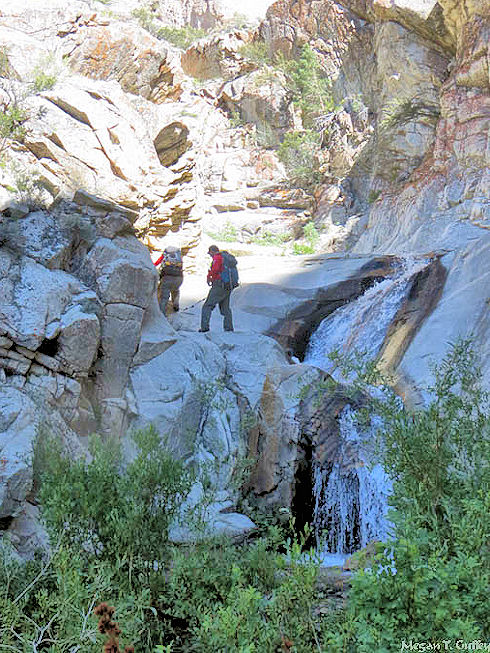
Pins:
x: 361, y: 325
x: 351, y: 498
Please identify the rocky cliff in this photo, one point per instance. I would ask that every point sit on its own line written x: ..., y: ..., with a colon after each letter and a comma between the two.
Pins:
x: 114, y: 142
x: 419, y: 71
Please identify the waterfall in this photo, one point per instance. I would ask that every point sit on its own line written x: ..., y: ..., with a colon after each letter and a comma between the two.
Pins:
x: 351, y: 492
x: 361, y: 325
x: 351, y: 500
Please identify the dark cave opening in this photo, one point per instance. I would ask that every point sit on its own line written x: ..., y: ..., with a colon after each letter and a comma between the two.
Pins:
x: 303, y: 503
x: 5, y: 522
x: 49, y: 347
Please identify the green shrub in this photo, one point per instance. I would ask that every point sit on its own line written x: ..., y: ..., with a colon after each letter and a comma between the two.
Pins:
x: 110, y: 513
x: 281, y: 619
x: 228, y: 234
x: 271, y: 238
x: 257, y: 52
x: 181, y: 37
x: 373, y: 196
x: 302, y: 248
x: 311, y: 234
x: 43, y: 81
x: 12, y: 120
x: 28, y: 187
x: 4, y: 62
x: 431, y: 583
x: 299, y: 153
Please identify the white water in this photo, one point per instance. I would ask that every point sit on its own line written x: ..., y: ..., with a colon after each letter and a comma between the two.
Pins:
x: 361, y: 325
x: 351, y: 501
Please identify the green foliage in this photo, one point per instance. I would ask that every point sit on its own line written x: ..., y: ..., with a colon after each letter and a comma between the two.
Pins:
x: 400, y: 111
x: 311, y: 90
x: 373, y: 196
x: 268, y: 238
x: 11, y: 123
x: 109, y: 513
x: 302, y: 248
x: 28, y: 187
x: 145, y: 18
x: 108, y: 527
x: 4, y: 62
x: 49, y: 601
x: 431, y: 582
x: 311, y: 236
x: 258, y: 52
x: 228, y: 234
x: 299, y: 153
x: 250, y: 620
x: 181, y: 37
x: 43, y: 81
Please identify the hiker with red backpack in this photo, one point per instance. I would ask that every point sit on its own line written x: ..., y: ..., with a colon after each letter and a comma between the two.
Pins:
x: 171, y: 277
x: 223, y: 278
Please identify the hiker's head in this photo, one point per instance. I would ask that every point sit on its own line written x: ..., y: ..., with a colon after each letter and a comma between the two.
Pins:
x: 213, y: 250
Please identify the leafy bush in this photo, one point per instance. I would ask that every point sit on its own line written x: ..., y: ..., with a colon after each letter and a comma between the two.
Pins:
x: 281, y: 619
x: 108, y: 530
x: 431, y: 583
x: 302, y: 248
x: 311, y: 236
x: 228, y: 234
x: 257, y: 52
x: 43, y: 81
x: 181, y: 37
x: 311, y: 90
x: 110, y: 513
x: 271, y: 238
x: 28, y: 187
x: 12, y: 120
x: 299, y: 153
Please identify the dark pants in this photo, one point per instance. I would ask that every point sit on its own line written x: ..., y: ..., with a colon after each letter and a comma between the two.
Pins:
x: 169, y: 285
x: 217, y: 295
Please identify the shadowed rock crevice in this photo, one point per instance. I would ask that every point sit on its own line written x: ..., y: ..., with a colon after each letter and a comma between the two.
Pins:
x: 49, y: 347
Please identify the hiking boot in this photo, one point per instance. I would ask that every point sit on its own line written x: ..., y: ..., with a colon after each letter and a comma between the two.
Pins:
x: 229, y: 329
x: 203, y: 330
x: 176, y: 309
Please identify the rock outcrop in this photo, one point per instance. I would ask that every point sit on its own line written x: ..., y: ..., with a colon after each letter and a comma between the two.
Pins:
x: 218, y: 56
